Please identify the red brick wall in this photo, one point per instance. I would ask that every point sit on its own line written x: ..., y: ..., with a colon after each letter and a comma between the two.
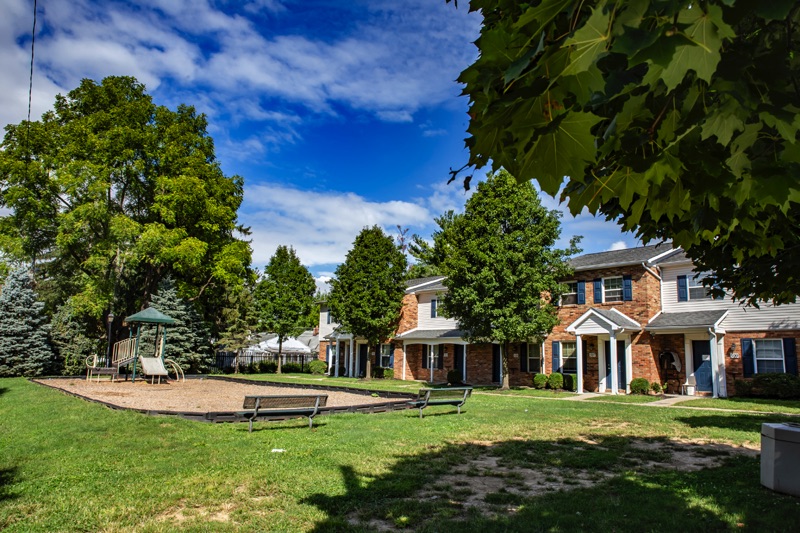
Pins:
x: 734, y: 368
x: 408, y: 314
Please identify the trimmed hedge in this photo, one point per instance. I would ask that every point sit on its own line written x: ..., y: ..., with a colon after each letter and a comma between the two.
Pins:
x: 539, y: 381
x: 777, y: 386
x: 570, y: 382
x: 640, y: 386
x: 317, y: 367
x: 555, y: 381
x: 454, y: 376
x: 656, y: 387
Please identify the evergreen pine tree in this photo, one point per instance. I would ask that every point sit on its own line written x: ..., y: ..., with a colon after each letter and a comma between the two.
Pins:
x: 24, y: 346
x: 188, y: 341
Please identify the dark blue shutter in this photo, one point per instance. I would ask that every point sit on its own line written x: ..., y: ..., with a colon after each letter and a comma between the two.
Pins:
x: 440, y: 359
x: 790, y: 356
x: 598, y: 291
x: 433, y: 308
x: 523, y: 357
x: 556, y: 361
x: 748, y: 361
x: 581, y: 292
x: 683, y: 290
x: 627, y: 289
x: 425, y: 354
x: 391, y: 355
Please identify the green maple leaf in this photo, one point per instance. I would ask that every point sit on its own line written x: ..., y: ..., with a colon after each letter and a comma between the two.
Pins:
x: 589, y: 43
x: 563, y: 151
x: 723, y: 122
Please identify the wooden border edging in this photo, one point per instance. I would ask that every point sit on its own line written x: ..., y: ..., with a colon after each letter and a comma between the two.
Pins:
x: 399, y: 403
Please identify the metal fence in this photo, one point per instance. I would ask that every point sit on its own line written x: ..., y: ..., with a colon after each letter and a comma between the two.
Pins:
x: 226, y: 361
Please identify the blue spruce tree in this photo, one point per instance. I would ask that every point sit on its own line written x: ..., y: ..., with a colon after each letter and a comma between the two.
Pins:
x: 24, y: 346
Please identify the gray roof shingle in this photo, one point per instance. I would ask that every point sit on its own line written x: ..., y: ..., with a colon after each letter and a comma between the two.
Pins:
x: 617, y: 317
x: 628, y: 256
x: 688, y: 319
x: 431, y: 334
x: 428, y: 284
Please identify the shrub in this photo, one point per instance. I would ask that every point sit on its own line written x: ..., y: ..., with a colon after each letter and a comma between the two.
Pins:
x: 656, y: 387
x: 453, y: 376
x: 539, y: 381
x: 267, y: 367
x: 388, y: 373
x: 570, y: 382
x: 378, y: 372
x: 317, y: 367
x: 743, y: 387
x: 555, y: 381
x: 293, y: 368
x: 640, y: 386
x: 782, y: 386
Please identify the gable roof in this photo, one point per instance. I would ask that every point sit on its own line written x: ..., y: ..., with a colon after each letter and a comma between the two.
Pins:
x: 687, y: 319
x: 615, y: 258
x: 433, y: 283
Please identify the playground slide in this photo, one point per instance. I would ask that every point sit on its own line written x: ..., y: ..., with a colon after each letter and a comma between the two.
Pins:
x: 153, y: 366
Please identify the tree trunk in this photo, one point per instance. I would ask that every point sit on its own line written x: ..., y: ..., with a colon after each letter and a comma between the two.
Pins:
x: 280, y: 349
x: 504, y: 358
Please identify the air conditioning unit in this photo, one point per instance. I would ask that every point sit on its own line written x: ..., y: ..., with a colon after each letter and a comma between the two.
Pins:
x: 780, y: 457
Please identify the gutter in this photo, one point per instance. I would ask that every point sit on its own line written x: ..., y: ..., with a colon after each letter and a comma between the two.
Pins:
x: 647, y: 268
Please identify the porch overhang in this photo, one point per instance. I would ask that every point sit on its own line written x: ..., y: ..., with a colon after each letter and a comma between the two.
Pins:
x: 603, y: 321
x: 687, y: 321
x: 432, y: 336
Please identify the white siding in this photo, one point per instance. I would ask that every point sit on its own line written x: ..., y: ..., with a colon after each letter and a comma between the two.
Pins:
x: 739, y: 318
x: 325, y: 328
x: 593, y: 326
x: 669, y: 293
x: 424, y: 320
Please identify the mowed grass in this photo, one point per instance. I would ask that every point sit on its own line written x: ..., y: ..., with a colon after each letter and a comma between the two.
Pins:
x: 747, y: 404
x: 626, y: 398
x: 71, y: 465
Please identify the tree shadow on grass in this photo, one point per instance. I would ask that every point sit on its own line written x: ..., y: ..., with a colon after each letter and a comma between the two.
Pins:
x: 600, y: 483
x: 7, y: 479
x: 738, y: 422
x: 3, y: 390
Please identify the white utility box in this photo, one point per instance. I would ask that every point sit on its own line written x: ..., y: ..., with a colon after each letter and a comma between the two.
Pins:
x: 780, y: 457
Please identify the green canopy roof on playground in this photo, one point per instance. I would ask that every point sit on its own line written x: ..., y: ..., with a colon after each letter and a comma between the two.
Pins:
x: 150, y: 316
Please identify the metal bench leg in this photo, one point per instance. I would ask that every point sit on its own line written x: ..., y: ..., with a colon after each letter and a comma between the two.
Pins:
x: 420, y: 412
x: 251, y: 426
x: 310, y: 422
x: 459, y: 409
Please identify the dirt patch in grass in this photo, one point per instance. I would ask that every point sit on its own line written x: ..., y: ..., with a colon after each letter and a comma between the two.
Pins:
x: 492, y: 485
x: 183, y: 513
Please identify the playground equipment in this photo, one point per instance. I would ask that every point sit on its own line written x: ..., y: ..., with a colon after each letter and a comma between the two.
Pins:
x: 126, y: 351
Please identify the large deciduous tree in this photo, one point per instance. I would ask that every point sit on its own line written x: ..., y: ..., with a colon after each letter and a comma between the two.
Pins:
x: 679, y: 120
x: 109, y: 193
x: 285, y: 296
x: 503, y: 270
x: 368, y: 288
x: 24, y: 345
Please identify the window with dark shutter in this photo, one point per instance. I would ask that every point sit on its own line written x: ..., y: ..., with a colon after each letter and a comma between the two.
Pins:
x: 433, y: 308
x: 683, y: 291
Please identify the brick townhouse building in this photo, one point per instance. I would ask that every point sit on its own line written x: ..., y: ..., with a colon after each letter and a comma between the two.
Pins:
x: 639, y: 312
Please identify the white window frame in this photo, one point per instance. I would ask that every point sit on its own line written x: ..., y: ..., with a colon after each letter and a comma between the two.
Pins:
x: 537, y: 368
x: 386, y: 354
x: 696, y: 282
x: 571, y: 285
x: 564, y: 357
x: 756, y: 357
x: 606, y: 289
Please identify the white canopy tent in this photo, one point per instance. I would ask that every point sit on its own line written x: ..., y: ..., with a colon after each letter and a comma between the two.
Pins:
x: 290, y: 346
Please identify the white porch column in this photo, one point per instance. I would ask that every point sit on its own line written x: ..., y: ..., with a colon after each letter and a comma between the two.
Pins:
x: 579, y: 360
x: 352, y: 357
x: 614, y: 366
x: 712, y: 341
x: 328, y: 357
x: 405, y: 361
x: 338, y: 348
x: 628, y: 365
x: 431, y: 359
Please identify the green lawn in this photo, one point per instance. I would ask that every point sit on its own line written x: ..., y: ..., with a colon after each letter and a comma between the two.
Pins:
x: 71, y: 465
x: 747, y: 404
x: 626, y: 398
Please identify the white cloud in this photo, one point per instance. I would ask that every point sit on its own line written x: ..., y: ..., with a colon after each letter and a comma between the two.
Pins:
x: 618, y: 245
x: 320, y: 225
x: 323, y: 281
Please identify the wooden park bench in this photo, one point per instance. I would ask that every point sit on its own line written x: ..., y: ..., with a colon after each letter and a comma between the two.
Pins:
x: 283, y: 407
x: 455, y: 396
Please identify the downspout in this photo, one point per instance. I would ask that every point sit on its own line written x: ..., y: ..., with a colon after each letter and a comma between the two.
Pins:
x: 655, y: 274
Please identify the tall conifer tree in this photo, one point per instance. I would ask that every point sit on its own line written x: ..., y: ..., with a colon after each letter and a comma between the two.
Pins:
x: 24, y: 346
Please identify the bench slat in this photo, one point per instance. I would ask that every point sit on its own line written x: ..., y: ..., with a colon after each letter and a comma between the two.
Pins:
x: 283, y: 406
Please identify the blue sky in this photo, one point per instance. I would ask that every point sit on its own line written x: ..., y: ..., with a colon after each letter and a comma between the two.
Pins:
x: 337, y: 114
